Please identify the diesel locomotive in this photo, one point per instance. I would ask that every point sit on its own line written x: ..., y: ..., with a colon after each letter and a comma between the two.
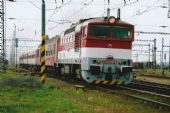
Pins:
x: 96, y: 50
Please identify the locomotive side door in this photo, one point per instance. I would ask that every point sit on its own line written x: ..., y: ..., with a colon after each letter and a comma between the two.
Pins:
x: 77, y: 41
x: 57, y: 43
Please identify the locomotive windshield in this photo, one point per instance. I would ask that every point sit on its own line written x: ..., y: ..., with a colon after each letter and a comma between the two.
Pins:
x: 110, y: 31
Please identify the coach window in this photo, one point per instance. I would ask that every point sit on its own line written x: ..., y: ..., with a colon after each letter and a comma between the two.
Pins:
x: 34, y: 56
x: 51, y: 51
x: 54, y: 48
x: 64, y: 40
x: 68, y: 39
x: 72, y: 38
x: 37, y: 53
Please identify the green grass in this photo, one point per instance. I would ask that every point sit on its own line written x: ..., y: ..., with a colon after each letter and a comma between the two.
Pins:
x: 10, y: 74
x: 58, y: 97
x: 157, y: 72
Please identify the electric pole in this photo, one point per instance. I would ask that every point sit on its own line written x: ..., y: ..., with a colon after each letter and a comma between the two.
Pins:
x: 149, y: 57
x: 168, y: 8
x: 43, y: 38
x: 154, y: 54
x: 162, y: 68
x: 2, y: 36
x: 169, y: 55
x: 108, y: 10
x: 13, y: 49
x: 16, y: 46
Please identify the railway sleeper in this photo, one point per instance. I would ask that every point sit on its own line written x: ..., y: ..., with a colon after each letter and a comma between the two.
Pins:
x: 79, y: 87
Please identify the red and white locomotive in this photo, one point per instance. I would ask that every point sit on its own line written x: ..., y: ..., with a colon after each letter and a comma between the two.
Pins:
x: 97, y: 50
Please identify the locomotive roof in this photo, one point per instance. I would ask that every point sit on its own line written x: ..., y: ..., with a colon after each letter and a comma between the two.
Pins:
x: 101, y: 19
x: 92, y: 20
x: 96, y: 19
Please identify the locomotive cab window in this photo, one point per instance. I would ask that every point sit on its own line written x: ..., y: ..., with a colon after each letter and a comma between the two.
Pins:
x: 110, y: 31
x: 120, y: 32
x: 99, y: 30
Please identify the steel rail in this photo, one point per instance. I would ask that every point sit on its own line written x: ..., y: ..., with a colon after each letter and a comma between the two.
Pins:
x: 151, y: 83
x: 155, y: 76
x: 167, y: 106
x: 146, y: 92
x: 150, y: 87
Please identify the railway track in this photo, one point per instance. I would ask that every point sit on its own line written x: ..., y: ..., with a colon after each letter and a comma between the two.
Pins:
x: 160, y: 98
x: 154, y: 76
x: 130, y: 93
x: 150, y: 86
x: 155, y: 99
x: 152, y: 83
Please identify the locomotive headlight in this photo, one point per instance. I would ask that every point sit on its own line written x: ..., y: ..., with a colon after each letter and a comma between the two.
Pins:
x: 112, y: 19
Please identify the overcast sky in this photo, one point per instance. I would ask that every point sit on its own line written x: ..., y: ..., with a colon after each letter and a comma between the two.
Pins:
x: 146, y: 15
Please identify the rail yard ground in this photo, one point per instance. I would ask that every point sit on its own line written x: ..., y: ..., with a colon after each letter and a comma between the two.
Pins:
x: 25, y: 94
x: 156, y: 72
x: 153, y: 76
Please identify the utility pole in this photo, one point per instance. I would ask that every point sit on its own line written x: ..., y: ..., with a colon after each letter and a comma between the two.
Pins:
x: 154, y: 54
x: 12, y: 53
x: 43, y: 38
x: 13, y: 49
x: 137, y: 57
x: 149, y: 57
x: 168, y: 9
x: 2, y: 36
x: 165, y: 60
x: 16, y: 46
x: 169, y: 55
x: 162, y: 68
x: 108, y: 10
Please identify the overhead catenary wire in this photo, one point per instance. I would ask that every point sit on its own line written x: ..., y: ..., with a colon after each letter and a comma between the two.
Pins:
x: 142, y: 40
x: 27, y: 40
x: 158, y: 33
x: 76, y: 12
x: 58, y: 7
x: 151, y: 7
